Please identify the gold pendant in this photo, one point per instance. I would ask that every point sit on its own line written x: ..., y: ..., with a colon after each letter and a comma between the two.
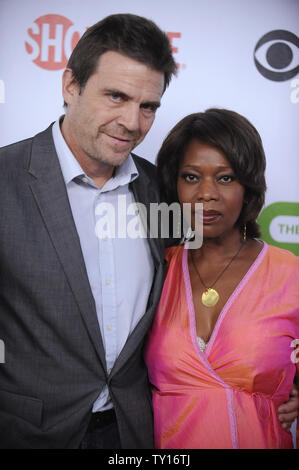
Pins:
x: 210, y: 298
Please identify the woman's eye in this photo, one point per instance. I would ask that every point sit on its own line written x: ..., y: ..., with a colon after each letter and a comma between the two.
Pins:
x: 189, y: 177
x: 226, y: 178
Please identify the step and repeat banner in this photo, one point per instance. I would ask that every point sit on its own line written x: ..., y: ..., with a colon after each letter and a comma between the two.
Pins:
x: 238, y: 54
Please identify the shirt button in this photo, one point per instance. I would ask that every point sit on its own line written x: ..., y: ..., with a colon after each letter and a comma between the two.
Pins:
x: 84, y: 179
x: 108, y: 282
x: 109, y: 327
x: 105, y: 238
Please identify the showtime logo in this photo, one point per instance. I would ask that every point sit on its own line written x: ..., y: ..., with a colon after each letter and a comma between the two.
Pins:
x: 52, y: 38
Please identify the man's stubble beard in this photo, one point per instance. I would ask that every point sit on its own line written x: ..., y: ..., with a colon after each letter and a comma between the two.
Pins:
x: 108, y: 163
x: 97, y: 154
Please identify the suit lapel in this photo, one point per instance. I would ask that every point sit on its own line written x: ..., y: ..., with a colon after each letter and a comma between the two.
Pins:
x: 49, y: 191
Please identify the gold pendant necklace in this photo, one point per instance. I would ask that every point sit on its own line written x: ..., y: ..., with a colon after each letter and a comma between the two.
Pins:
x: 210, y: 296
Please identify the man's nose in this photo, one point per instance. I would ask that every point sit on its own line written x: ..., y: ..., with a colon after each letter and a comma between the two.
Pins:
x: 130, y: 117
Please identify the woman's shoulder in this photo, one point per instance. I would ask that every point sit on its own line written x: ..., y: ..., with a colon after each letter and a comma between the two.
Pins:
x: 282, y: 258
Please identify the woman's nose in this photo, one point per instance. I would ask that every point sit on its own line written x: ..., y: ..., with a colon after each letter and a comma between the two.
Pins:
x: 207, y: 190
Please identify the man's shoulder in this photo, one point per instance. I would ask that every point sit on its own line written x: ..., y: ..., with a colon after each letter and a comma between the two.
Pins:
x: 14, y: 150
x: 14, y: 159
x: 18, y: 152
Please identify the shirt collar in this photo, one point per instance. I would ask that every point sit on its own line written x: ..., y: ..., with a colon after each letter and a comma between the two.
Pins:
x: 71, y: 169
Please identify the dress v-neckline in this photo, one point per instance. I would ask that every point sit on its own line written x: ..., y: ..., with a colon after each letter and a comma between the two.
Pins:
x: 188, y: 290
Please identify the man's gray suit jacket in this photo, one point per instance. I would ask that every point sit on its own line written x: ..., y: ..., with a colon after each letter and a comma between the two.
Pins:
x: 54, y: 357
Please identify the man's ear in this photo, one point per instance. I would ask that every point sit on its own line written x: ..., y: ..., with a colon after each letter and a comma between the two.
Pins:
x: 70, y: 88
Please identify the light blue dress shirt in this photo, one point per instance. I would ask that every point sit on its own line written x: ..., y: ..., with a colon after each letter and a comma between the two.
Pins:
x: 120, y: 270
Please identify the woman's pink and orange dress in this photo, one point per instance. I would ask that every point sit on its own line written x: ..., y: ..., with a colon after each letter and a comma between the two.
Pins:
x: 227, y: 396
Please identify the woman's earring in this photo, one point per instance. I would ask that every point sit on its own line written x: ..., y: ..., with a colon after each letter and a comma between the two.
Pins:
x: 245, y: 233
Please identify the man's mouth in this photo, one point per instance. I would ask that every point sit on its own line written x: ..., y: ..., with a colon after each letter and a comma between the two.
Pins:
x: 119, y: 139
x: 120, y: 143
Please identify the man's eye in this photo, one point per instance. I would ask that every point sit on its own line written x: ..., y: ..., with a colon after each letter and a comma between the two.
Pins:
x: 115, y: 96
x: 150, y: 108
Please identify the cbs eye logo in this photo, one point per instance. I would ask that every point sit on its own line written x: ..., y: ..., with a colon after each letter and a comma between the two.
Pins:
x: 276, y: 54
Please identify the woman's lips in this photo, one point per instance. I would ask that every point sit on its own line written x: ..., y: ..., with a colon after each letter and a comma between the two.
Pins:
x: 210, y: 216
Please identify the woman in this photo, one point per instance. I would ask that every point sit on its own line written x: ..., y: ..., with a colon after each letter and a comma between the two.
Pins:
x: 219, y: 351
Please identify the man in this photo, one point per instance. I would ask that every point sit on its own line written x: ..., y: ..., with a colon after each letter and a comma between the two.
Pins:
x: 75, y: 307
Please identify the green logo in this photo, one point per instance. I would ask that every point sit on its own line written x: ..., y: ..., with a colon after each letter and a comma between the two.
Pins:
x: 279, y: 224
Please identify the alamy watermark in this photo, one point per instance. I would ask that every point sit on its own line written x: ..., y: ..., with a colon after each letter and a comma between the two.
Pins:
x: 2, y: 352
x: 136, y: 220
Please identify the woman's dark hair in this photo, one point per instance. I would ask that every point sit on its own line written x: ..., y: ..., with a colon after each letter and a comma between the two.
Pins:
x: 133, y: 36
x: 237, y: 139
